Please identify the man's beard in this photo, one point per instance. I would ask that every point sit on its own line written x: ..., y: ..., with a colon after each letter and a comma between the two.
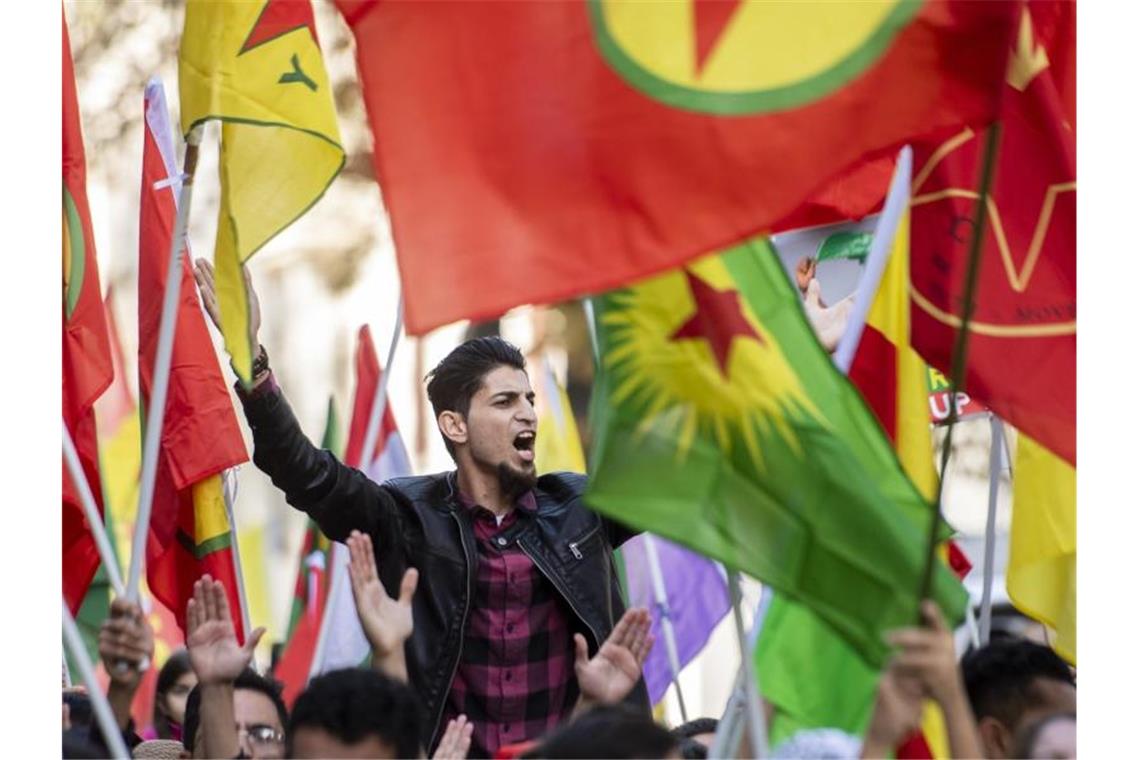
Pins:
x: 514, y: 483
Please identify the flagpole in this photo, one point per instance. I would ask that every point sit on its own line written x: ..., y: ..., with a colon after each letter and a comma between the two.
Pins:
x: 728, y: 733
x: 91, y: 512
x: 337, y: 568
x: 156, y: 410
x: 99, y: 705
x: 961, y: 344
x: 230, y: 496
x: 757, y: 734
x: 882, y: 243
x: 991, y: 529
x: 661, y: 599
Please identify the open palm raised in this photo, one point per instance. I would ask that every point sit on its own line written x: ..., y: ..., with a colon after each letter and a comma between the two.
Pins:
x: 211, y: 641
x: 613, y: 672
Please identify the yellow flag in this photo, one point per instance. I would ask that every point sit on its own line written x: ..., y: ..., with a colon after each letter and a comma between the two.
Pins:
x: 1042, y: 573
x: 557, y: 446
x: 257, y: 67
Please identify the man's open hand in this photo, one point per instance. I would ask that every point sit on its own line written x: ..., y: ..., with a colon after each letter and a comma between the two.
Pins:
x: 387, y: 622
x: 613, y: 672
x: 204, y: 276
x: 215, y: 654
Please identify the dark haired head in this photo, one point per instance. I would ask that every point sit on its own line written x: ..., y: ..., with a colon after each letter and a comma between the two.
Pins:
x: 1027, y: 743
x: 78, y: 707
x: 459, y: 376
x: 176, y: 666
x: 351, y: 706
x: 1011, y: 681
x: 695, y: 727
x: 248, y: 679
x: 618, y: 732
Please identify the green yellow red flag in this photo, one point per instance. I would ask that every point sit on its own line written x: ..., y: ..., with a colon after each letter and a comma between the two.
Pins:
x: 257, y: 68
x: 722, y: 424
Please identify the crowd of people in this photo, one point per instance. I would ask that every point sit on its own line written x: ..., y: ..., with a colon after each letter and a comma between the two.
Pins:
x: 497, y: 621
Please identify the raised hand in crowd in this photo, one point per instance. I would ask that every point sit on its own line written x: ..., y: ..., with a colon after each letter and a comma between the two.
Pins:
x: 204, y: 275
x: 126, y: 646
x: 927, y: 654
x: 896, y: 715
x: 217, y: 659
x: 611, y: 674
x: 387, y: 622
x: 456, y: 740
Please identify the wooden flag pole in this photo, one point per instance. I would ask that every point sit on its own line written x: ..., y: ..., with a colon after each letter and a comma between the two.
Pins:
x: 661, y: 599
x: 961, y: 344
x: 91, y: 512
x: 99, y: 705
x: 156, y: 410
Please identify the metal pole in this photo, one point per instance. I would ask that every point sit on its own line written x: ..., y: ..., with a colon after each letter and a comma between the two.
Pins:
x: 756, y: 730
x: 380, y: 401
x: 661, y: 598
x: 157, y: 408
x: 882, y: 242
x: 230, y: 496
x: 91, y: 512
x: 991, y: 529
x: 103, y: 715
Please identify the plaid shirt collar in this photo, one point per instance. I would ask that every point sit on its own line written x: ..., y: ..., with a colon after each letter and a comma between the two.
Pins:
x: 526, y: 503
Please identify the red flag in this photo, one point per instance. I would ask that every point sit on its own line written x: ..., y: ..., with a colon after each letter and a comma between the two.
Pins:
x: 87, y: 368
x: 534, y: 152
x: 190, y: 532
x: 368, y: 374
x: 1022, y: 350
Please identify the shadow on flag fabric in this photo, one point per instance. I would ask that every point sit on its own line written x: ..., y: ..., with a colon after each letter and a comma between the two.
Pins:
x: 1041, y: 577
x: 591, y: 143
x: 190, y: 530
x: 257, y: 67
x: 86, y: 357
x: 723, y: 425
x: 1023, y: 342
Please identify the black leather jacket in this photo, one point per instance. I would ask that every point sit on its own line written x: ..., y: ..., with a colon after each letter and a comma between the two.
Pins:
x: 419, y: 522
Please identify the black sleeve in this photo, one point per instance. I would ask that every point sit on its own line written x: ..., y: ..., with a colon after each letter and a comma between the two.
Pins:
x: 339, y: 498
x: 617, y: 532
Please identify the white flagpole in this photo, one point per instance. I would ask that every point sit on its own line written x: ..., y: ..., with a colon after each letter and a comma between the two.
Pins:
x: 731, y: 725
x: 898, y: 199
x: 337, y: 568
x: 157, y: 408
x: 661, y: 598
x: 229, y: 478
x: 103, y: 715
x: 754, y: 707
x: 996, y: 437
x: 91, y: 512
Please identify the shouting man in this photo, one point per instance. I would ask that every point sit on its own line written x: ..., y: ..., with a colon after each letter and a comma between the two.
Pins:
x: 516, y: 573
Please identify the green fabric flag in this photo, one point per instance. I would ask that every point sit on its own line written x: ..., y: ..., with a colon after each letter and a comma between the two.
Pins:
x: 722, y: 424
x: 313, y: 539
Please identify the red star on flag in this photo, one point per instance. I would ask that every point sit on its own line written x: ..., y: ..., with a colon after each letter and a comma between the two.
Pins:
x: 280, y: 17
x: 718, y: 319
x: 710, y: 19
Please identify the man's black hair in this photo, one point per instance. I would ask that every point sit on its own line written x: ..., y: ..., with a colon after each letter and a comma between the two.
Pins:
x: 1026, y: 741
x: 78, y: 708
x: 247, y: 679
x: 694, y: 727
x: 999, y: 677
x: 618, y: 732
x: 355, y: 703
x: 460, y: 375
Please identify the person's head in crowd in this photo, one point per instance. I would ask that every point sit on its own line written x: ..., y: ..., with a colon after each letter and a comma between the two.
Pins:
x: 175, y: 681
x: 1053, y: 737
x: 259, y: 714
x: 1013, y: 683
x: 355, y: 713
x: 78, y: 707
x: 616, y: 731
x: 484, y: 406
x: 696, y: 737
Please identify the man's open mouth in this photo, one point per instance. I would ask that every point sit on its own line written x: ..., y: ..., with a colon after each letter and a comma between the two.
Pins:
x: 524, y: 444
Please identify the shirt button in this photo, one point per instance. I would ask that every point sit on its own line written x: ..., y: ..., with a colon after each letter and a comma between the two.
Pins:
x: 506, y: 727
x: 510, y: 628
x: 508, y: 675
x: 502, y: 542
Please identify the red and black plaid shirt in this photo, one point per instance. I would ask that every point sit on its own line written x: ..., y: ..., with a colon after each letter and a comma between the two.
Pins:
x: 515, y: 676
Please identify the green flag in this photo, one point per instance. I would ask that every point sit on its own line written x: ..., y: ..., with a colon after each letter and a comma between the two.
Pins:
x: 723, y: 425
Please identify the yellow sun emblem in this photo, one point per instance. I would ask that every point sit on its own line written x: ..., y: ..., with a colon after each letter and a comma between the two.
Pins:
x: 690, y: 352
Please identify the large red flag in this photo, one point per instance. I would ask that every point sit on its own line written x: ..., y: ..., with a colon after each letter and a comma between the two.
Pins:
x: 1022, y: 350
x: 190, y: 531
x: 87, y: 368
x: 533, y: 152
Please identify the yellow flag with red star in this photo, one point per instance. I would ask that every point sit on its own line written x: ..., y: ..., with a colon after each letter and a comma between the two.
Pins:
x: 257, y: 68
